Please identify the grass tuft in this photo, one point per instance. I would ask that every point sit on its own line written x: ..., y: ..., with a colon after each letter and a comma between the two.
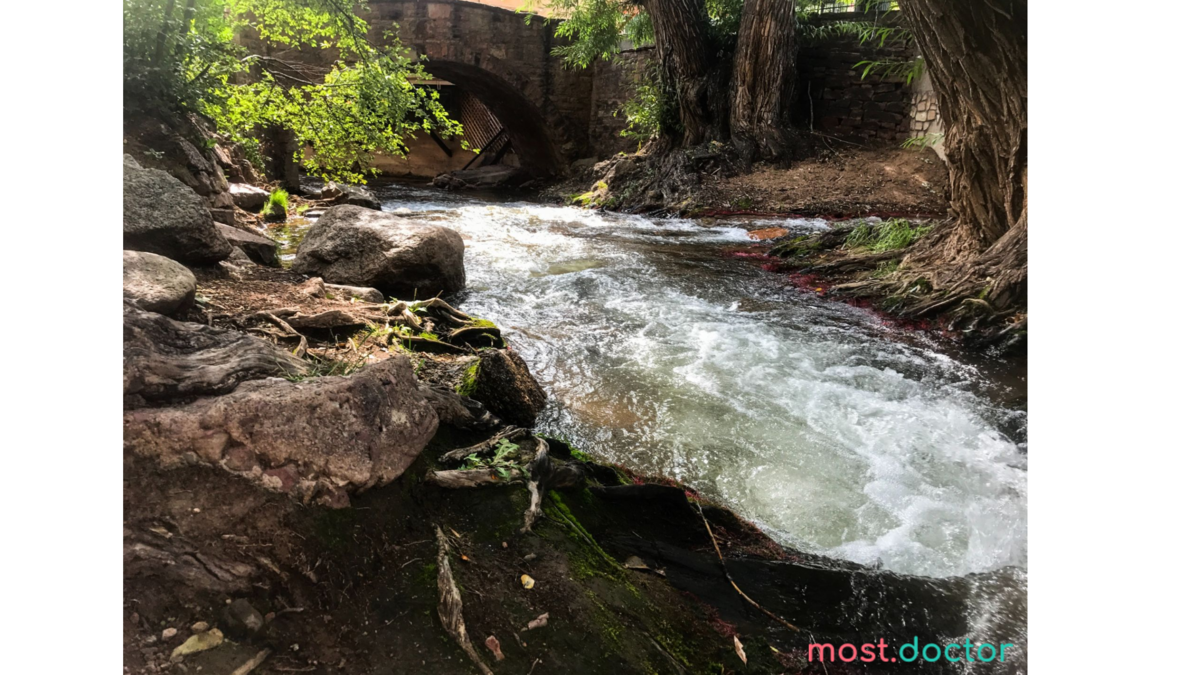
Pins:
x: 891, y: 235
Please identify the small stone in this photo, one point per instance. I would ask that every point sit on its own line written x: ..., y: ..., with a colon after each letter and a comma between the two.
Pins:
x: 241, y: 619
x: 168, y: 633
x: 529, y: 557
x: 200, y: 627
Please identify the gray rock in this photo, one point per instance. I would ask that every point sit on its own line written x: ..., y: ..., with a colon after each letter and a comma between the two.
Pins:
x: 358, y: 292
x: 259, y: 248
x: 318, y: 436
x: 156, y: 283
x: 399, y: 256
x: 482, y: 178
x: 355, y: 195
x: 248, y: 197
x: 241, y: 619
x: 164, y: 216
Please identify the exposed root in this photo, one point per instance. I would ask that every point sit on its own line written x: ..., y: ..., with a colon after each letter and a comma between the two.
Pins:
x: 469, y: 478
x: 538, y: 471
x: 450, y: 603
x: 486, y: 447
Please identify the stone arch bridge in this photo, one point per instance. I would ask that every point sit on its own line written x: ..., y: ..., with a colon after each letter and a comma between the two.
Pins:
x: 503, y: 60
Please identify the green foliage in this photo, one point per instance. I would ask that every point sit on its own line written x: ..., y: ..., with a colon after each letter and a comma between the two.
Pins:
x: 890, y: 235
x: 277, y: 203
x: 918, y: 142
x: 194, y: 59
x: 596, y: 28
x: 503, y: 461
x: 646, y: 113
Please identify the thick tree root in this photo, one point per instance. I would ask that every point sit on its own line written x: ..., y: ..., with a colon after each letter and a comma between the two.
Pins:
x: 450, y: 604
x: 469, y: 478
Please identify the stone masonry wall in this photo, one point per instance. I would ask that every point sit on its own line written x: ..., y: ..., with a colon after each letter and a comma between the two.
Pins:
x: 833, y: 95
x: 613, y: 83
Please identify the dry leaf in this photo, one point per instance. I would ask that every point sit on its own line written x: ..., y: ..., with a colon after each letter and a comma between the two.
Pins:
x: 466, y: 558
x: 737, y: 647
x: 527, y: 581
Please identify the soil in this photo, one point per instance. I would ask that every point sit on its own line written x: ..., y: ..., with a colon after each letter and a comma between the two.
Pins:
x: 835, y: 182
x: 890, y: 182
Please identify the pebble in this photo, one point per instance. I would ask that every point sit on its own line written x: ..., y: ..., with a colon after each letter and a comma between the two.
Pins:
x: 168, y: 633
x: 200, y: 626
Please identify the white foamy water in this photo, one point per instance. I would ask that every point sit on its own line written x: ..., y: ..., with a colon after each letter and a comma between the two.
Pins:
x: 833, y: 432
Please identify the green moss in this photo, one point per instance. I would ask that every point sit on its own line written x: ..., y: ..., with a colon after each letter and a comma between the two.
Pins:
x: 426, y: 575
x: 481, y: 323
x: 470, y: 380
x: 590, y: 560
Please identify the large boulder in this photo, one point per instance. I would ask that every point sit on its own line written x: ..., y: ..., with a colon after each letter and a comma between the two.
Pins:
x: 355, y: 195
x: 156, y: 283
x: 248, y: 197
x: 260, y: 249
x: 164, y: 216
x: 315, y: 437
x: 166, y: 360
x: 399, y: 256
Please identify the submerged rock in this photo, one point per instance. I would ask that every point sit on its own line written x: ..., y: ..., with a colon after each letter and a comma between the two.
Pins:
x: 164, y: 216
x: 399, y: 256
x: 156, y: 283
x: 316, y: 436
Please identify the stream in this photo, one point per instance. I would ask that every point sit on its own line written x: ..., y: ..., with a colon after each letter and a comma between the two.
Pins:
x: 830, y: 429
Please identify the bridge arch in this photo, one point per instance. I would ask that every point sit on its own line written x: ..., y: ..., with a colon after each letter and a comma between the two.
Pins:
x: 531, y: 139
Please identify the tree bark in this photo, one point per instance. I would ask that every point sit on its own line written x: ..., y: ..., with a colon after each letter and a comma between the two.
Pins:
x: 688, y: 66
x: 763, y: 77
x: 975, y: 53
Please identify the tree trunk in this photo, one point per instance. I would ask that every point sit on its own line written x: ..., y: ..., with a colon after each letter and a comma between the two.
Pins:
x: 687, y: 66
x: 976, y: 56
x: 763, y: 77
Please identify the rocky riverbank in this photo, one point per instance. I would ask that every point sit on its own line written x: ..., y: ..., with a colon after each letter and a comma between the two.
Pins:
x: 320, y: 478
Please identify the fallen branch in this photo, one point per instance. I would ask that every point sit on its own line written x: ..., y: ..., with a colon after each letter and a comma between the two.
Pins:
x: 300, y: 351
x: 450, y: 603
x: 728, y: 578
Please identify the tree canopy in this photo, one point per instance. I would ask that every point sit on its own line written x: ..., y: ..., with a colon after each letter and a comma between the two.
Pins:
x: 212, y: 57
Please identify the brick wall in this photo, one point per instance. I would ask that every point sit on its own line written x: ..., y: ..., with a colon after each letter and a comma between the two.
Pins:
x: 613, y: 83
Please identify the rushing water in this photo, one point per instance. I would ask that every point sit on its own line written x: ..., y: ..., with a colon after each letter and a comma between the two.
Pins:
x: 834, y: 432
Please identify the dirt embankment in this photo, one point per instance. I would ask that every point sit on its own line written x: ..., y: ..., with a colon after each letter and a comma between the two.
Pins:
x: 846, y: 182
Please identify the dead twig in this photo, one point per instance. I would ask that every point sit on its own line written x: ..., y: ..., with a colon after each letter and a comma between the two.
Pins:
x: 253, y: 663
x: 728, y: 578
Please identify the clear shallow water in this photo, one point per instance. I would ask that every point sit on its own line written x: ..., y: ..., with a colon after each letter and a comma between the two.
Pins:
x: 834, y: 432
